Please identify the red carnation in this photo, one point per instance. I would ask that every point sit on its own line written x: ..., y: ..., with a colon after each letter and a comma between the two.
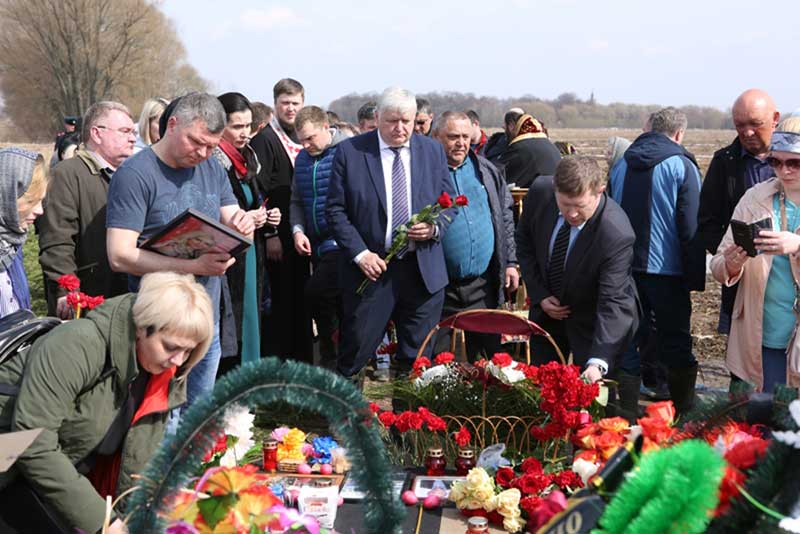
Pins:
x: 568, y: 479
x: 420, y: 364
x: 530, y: 504
x: 461, y: 200
x: 408, y: 420
x: 463, y: 437
x: 76, y: 299
x: 93, y: 302
x: 444, y: 200
x: 504, y: 476
x: 502, y: 359
x: 70, y: 282
x: 531, y: 465
x: 443, y: 358
x: 374, y: 408
x: 387, y: 418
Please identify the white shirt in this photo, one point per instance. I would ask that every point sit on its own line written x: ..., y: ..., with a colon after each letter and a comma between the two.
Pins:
x: 387, y: 160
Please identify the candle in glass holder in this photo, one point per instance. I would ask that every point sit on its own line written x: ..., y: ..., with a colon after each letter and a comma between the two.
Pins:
x: 465, y: 461
x: 270, y: 452
x: 477, y: 525
x: 435, y: 462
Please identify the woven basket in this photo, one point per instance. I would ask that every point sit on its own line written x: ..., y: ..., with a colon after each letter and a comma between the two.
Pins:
x: 288, y: 466
x: 513, y: 431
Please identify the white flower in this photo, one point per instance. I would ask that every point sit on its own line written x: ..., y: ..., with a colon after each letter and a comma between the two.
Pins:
x: 792, y: 524
x: 431, y: 375
x: 791, y: 438
x: 584, y: 468
x: 238, y: 423
x: 508, y: 375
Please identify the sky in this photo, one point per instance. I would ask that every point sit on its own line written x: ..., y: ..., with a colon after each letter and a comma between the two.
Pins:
x: 673, y: 52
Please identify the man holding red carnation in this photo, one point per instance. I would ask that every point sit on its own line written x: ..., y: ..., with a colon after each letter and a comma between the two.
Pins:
x: 380, y: 179
x: 479, y: 248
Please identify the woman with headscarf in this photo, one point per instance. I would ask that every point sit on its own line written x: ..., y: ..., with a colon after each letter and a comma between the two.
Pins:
x: 23, y: 183
x: 615, y: 150
x: 245, y: 277
x: 763, y: 346
x: 530, y: 153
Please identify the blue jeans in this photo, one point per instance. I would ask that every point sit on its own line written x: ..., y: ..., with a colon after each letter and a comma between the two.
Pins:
x: 773, y: 364
x: 203, y: 375
x: 200, y: 380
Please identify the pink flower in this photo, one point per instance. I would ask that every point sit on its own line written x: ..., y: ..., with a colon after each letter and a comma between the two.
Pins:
x: 291, y: 518
x: 279, y: 433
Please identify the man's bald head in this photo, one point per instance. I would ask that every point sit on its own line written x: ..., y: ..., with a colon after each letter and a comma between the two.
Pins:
x: 755, y: 118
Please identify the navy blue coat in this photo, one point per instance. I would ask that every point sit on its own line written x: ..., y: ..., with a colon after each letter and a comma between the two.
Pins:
x: 357, y: 203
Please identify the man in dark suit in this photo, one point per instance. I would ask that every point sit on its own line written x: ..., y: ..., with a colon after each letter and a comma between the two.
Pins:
x: 575, y: 249
x: 379, y: 180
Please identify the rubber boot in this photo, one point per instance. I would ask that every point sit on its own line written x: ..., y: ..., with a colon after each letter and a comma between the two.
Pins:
x: 681, y: 382
x: 628, y: 396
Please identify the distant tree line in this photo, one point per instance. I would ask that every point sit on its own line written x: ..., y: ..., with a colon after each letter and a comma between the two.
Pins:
x: 61, y: 56
x: 566, y: 111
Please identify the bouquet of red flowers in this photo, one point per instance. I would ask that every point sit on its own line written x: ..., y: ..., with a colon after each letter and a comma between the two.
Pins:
x: 428, y: 215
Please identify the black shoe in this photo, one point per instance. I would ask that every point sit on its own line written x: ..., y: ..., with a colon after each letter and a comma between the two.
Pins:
x: 402, y: 367
x: 681, y: 381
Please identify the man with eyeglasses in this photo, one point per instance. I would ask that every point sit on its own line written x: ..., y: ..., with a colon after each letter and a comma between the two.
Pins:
x: 72, y: 231
x: 733, y: 170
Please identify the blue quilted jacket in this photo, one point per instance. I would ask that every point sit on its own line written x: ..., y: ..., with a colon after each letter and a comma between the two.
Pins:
x: 310, y: 194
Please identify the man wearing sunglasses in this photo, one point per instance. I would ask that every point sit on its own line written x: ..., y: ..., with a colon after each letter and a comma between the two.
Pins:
x: 733, y: 170
x: 72, y: 231
x: 423, y: 122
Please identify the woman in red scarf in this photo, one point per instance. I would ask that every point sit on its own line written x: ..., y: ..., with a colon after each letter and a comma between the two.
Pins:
x: 245, y: 277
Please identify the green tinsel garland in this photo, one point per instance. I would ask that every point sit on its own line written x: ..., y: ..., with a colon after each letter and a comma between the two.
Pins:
x: 267, y: 381
x: 672, y: 491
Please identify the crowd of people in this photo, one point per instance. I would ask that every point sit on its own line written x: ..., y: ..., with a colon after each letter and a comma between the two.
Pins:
x: 608, y: 258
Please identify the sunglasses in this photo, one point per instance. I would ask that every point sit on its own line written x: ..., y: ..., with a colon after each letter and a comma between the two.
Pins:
x: 792, y: 164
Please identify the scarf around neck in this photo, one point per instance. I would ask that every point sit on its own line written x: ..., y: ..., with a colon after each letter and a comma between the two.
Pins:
x: 237, y: 159
x: 291, y: 148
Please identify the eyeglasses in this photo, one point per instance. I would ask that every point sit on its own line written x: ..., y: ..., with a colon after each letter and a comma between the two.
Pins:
x: 120, y: 131
x: 792, y: 164
x: 422, y: 122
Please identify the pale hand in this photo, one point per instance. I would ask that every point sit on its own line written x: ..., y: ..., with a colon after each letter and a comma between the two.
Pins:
x: 552, y: 307
x: 274, y: 249
x: 777, y: 243
x: 212, y: 264
x: 117, y: 527
x: 420, y: 232
x: 592, y: 374
x: 372, y: 266
x: 512, y: 279
x: 63, y: 310
x: 242, y: 223
x: 735, y: 257
x: 274, y: 217
x: 259, y: 217
x: 301, y: 244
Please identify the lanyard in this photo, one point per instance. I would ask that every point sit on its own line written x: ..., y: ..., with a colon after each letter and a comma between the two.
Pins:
x: 785, y: 228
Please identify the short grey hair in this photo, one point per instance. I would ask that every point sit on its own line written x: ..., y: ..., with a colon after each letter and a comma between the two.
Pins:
x: 203, y: 107
x: 669, y: 121
x: 442, y: 120
x: 397, y: 99
x: 96, y: 112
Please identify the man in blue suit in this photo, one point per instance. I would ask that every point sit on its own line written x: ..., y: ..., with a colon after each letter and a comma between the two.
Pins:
x: 379, y: 180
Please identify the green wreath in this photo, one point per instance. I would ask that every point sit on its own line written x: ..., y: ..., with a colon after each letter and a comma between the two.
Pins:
x: 264, y: 382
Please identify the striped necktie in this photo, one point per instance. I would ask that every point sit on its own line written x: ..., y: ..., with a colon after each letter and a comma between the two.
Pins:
x: 400, y: 213
x: 555, y: 268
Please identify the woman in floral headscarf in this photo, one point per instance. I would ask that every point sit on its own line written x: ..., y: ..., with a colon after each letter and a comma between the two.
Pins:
x: 23, y: 183
x: 763, y: 347
x: 530, y: 153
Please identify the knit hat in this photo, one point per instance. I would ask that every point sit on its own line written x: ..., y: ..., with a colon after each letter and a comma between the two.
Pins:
x: 16, y: 172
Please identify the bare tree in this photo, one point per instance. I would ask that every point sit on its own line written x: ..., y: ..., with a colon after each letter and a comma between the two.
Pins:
x: 60, y: 56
